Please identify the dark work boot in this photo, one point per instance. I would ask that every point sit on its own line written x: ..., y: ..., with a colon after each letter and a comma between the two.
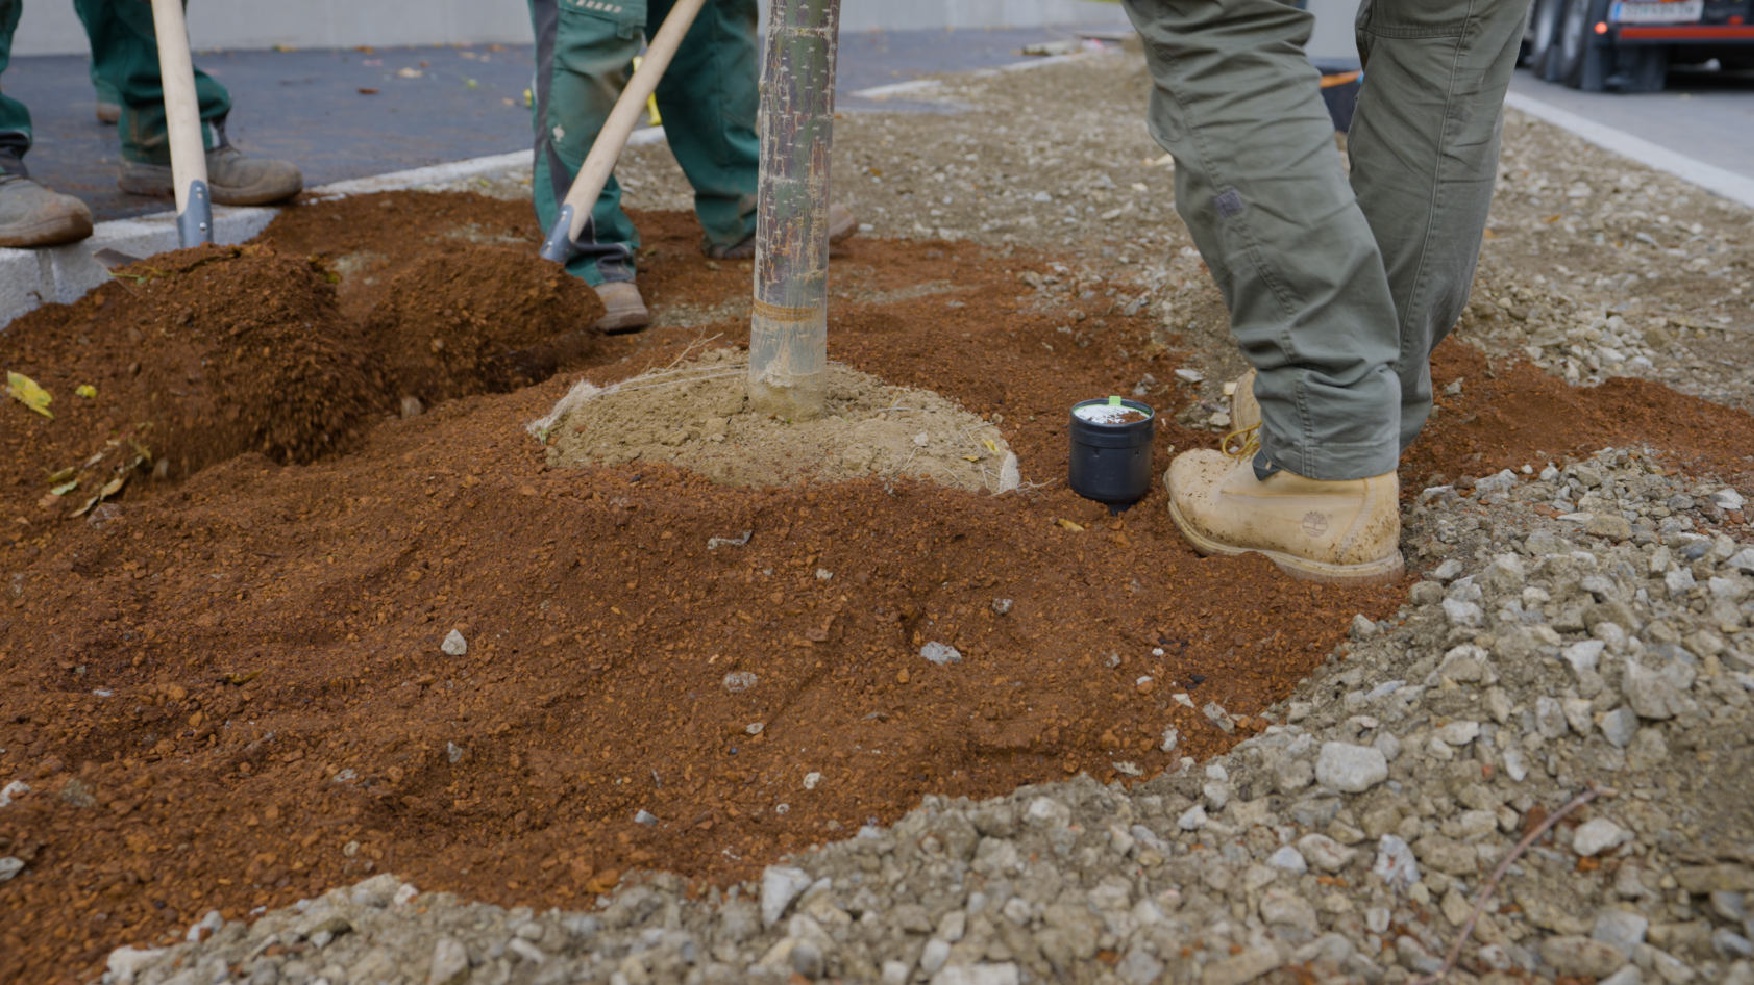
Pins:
x: 31, y: 215
x: 233, y: 178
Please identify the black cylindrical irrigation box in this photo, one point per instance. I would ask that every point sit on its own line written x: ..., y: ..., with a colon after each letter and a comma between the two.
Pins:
x: 1110, y: 455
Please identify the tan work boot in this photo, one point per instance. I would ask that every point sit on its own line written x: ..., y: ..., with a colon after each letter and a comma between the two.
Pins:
x: 1345, y: 531
x: 1244, y: 438
x: 31, y: 215
x: 233, y: 178
x: 623, y: 309
x: 842, y: 226
x: 1245, y: 410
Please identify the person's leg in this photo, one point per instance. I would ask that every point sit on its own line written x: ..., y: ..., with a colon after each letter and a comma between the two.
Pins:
x: 122, y: 35
x: 709, y: 98
x: 582, y: 55
x: 14, y: 116
x: 124, y: 43
x: 30, y: 215
x: 1424, y: 147
x: 103, y: 76
x: 1261, y: 187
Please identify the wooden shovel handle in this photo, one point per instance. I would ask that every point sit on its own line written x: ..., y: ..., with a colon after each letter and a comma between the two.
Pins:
x: 181, y: 108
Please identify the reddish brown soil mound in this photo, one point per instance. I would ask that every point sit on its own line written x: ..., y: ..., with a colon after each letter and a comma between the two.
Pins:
x: 229, y: 692
x: 201, y: 355
x: 481, y: 319
x: 1515, y: 415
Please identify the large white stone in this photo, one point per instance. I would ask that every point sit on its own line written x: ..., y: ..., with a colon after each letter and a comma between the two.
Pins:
x: 1351, y: 768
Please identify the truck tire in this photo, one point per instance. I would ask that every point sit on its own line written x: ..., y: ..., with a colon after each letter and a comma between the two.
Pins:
x: 1644, y: 68
x: 1583, y: 61
x: 1543, y: 40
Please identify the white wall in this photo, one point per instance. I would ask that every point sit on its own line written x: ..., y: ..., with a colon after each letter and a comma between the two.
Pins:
x: 49, y: 27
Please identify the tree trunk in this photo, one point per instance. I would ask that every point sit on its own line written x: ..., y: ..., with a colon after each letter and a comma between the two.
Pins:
x: 788, y: 332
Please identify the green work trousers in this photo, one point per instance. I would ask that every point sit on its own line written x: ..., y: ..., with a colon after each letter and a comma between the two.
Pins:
x: 708, y: 99
x: 124, y: 52
x: 1337, y: 290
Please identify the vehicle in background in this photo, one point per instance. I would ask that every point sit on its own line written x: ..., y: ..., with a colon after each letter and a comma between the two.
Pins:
x: 1628, y: 45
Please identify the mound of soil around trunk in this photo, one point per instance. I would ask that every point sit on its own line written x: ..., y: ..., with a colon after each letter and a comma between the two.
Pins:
x: 695, y: 415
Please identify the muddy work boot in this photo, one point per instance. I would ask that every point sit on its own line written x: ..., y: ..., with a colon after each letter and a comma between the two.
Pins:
x: 1346, y: 531
x: 31, y: 215
x: 1244, y: 438
x: 623, y: 309
x: 1245, y: 410
x: 233, y: 178
x: 842, y: 226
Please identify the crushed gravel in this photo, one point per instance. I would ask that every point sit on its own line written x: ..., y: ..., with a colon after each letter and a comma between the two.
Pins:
x: 1581, y: 628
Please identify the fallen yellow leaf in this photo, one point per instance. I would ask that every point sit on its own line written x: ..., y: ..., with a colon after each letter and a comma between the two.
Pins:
x: 1071, y: 525
x: 85, y: 390
x: 25, y: 390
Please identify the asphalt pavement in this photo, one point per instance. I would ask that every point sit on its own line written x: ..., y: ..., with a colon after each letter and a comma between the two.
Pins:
x: 351, y: 113
x: 1702, y: 116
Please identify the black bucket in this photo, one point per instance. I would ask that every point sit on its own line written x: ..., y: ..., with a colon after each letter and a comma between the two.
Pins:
x: 1110, y: 456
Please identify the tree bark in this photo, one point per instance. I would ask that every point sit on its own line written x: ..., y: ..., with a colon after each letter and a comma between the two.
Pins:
x: 788, y: 332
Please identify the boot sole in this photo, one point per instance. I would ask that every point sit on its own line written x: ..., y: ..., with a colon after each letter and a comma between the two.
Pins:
x: 623, y: 323
x: 53, y: 232
x: 1382, y: 571
x: 232, y: 197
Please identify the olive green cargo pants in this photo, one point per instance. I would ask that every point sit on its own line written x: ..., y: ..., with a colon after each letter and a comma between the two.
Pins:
x: 124, y: 53
x: 1337, y: 292
x: 708, y: 98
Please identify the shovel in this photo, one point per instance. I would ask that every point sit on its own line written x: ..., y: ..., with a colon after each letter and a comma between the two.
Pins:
x: 575, y: 211
x: 183, y: 119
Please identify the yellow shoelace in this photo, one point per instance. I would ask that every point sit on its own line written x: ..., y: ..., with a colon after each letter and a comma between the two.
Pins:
x: 1242, y: 443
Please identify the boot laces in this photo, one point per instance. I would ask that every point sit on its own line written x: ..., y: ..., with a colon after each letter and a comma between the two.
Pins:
x: 1242, y: 443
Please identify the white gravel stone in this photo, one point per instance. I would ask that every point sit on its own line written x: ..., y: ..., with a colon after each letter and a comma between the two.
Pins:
x: 941, y: 653
x: 1597, y: 836
x: 1581, y: 956
x: 1395, y: 864
x: 454, y: 644
x: 1624, y: 929
x: 977, y: 974
x: 780, y: 885
x: 1325, y: 853
x: 1350, y: 768
x: 126, y: 962
x: 1619, y: 726
x: 450, y: 963
x: 1289, y: 859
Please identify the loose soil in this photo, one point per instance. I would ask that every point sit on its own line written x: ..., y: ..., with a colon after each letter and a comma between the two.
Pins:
x: 224, y: 683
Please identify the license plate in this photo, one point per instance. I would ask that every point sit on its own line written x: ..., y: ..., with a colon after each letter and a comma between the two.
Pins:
x: 1683, y: 12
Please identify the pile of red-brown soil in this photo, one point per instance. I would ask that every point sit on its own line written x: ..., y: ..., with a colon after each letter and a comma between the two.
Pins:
x: 482, y: 320
x: 200, y: 355
x: 230, y: 690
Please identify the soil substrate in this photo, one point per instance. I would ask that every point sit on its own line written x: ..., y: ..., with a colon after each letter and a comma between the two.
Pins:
x: 226, y: 680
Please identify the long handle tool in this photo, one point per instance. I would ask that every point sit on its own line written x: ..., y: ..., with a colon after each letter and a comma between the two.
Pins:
x: 182, y: 113
x: 606, y: 150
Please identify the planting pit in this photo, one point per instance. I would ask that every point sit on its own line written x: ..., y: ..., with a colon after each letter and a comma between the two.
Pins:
x: 227, y: 685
